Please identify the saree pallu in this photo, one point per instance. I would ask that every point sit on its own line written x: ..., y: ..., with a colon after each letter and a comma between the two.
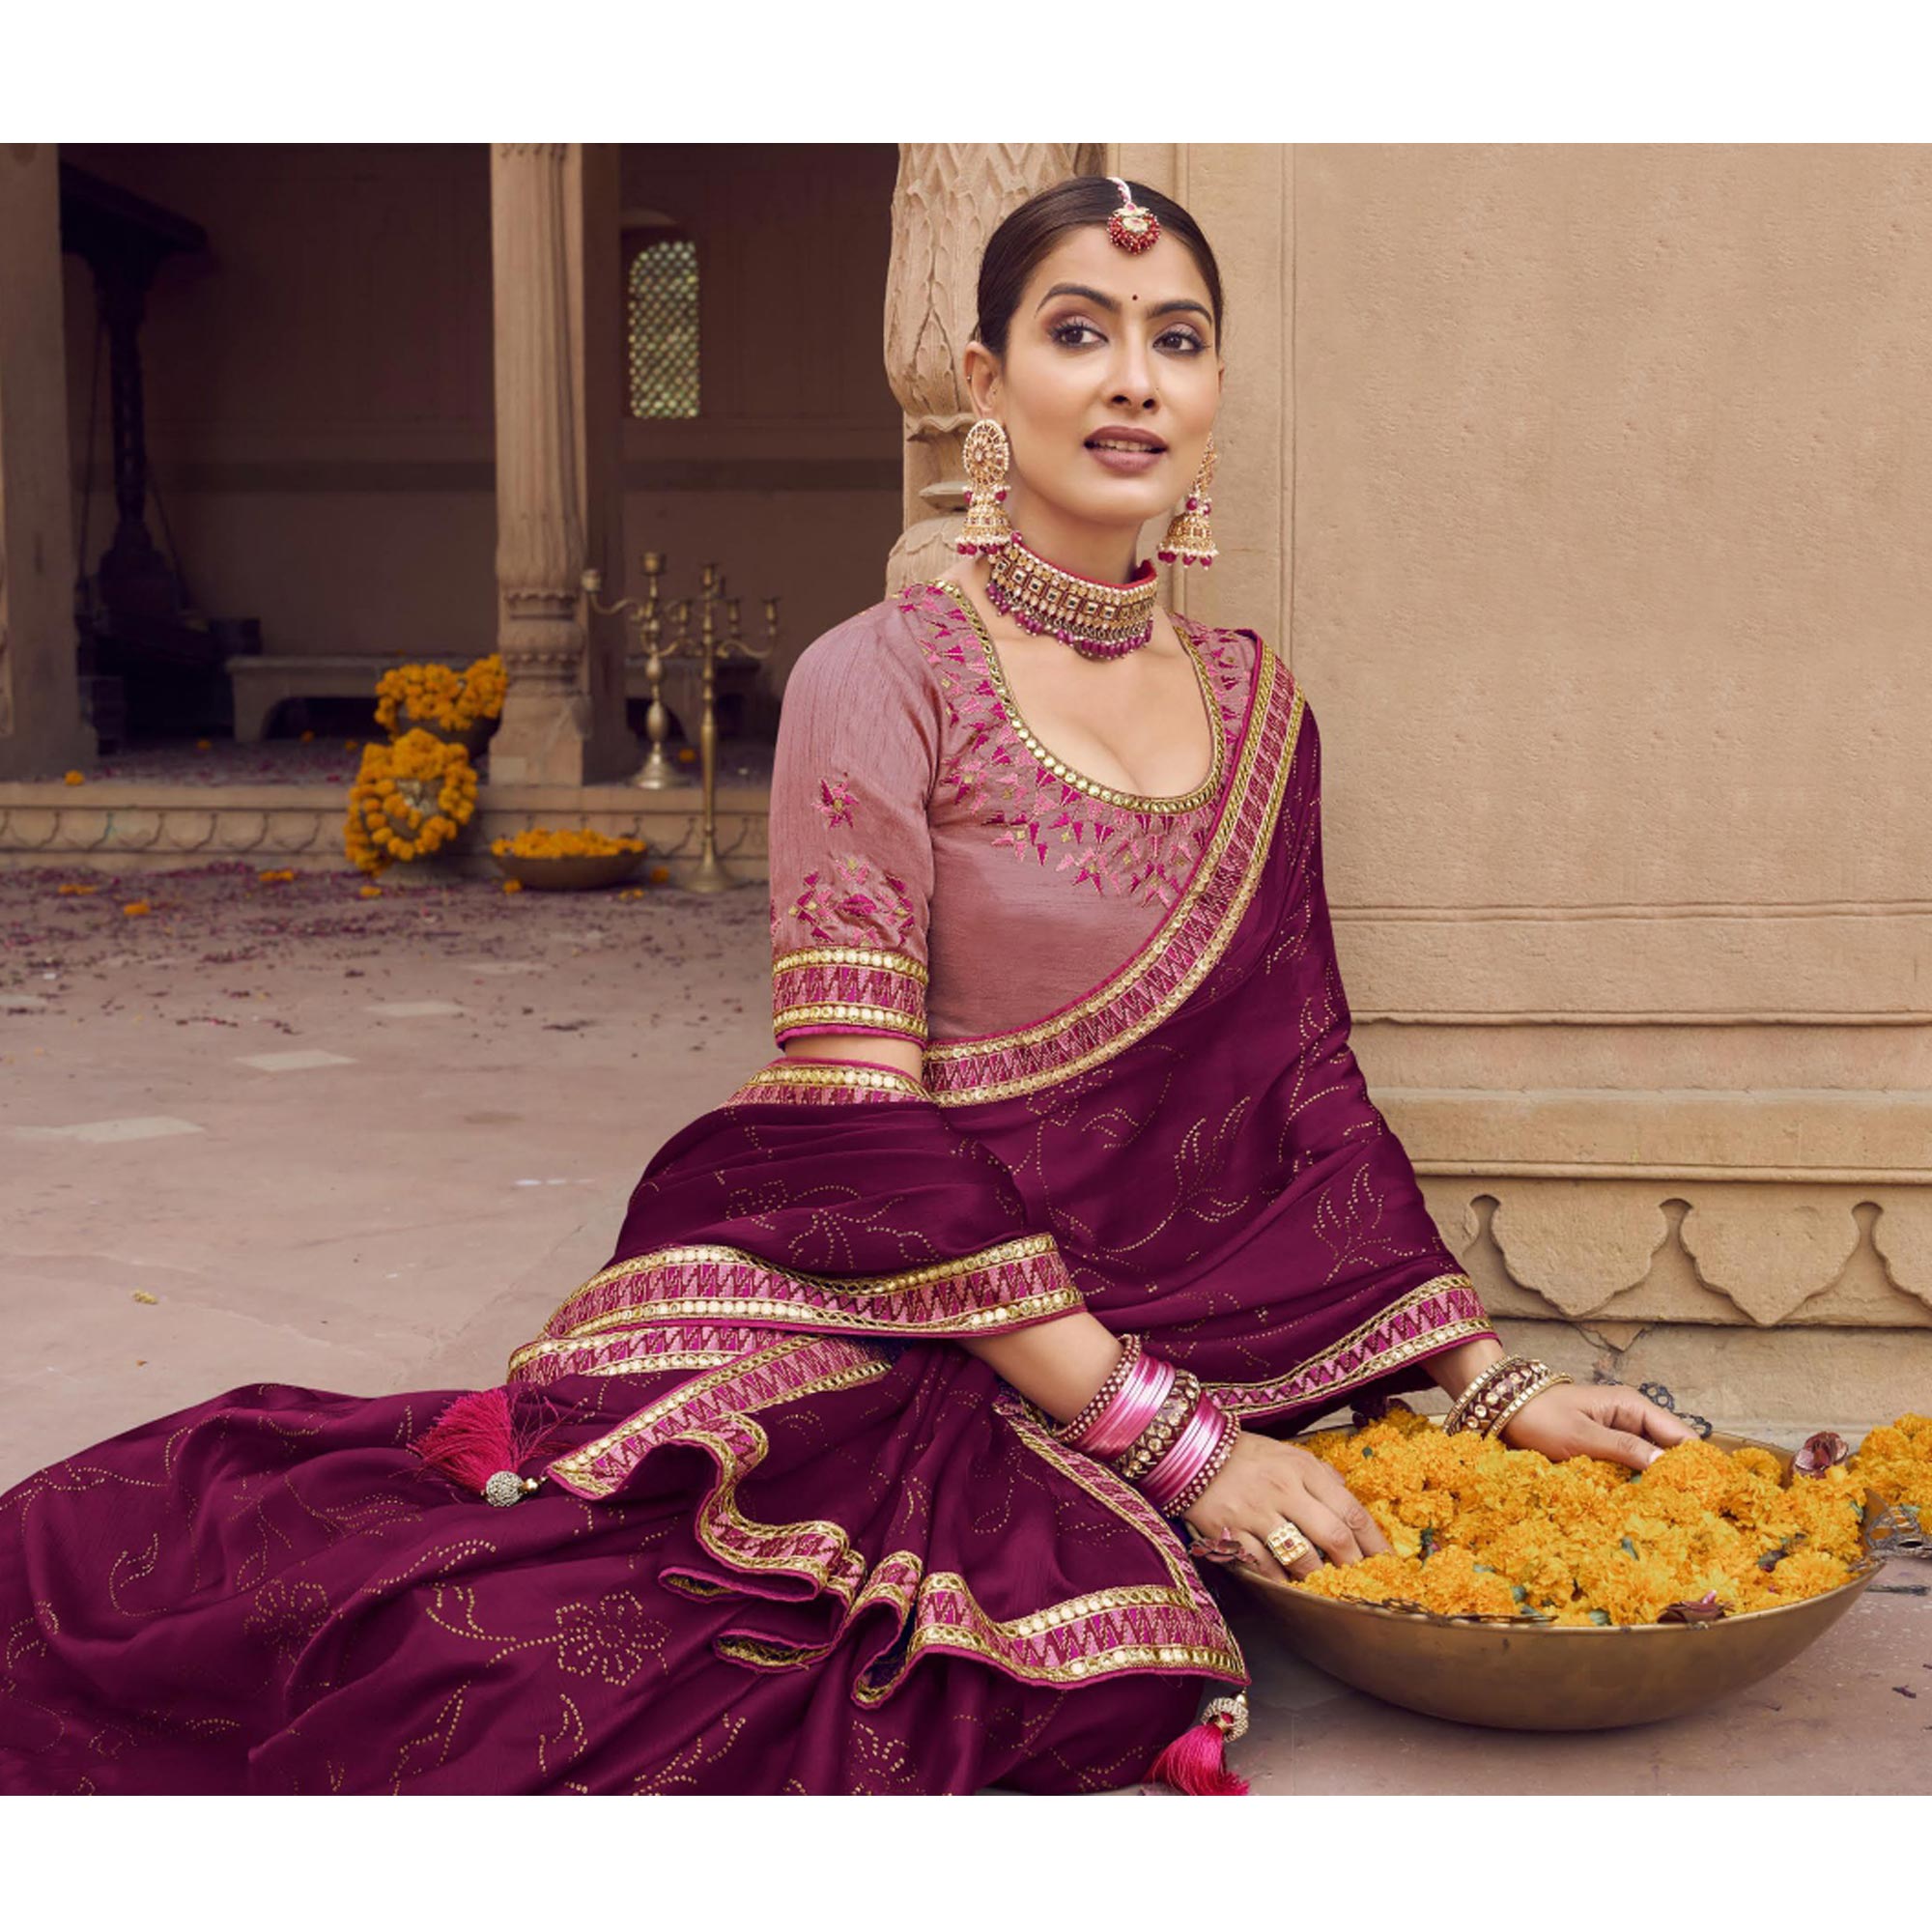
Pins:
x: 786, y: 1534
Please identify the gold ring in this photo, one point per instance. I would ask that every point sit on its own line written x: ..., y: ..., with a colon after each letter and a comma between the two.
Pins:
x: 1287, y: 1544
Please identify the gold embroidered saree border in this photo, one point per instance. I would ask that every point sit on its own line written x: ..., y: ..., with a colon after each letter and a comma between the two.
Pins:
x: 827, y: 1083
x: 873, y: 959
x: 1006, y: 1285
x: 1179, y: 954
x: 1171, y: 1627
x: 846, y: 1017
x: 1437, y: 1313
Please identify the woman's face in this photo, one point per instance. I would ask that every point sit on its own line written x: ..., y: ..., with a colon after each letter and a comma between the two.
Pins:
x: 1103, y: 340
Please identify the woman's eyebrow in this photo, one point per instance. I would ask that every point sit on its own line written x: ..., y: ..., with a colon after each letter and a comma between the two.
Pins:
x: 1109, y: 303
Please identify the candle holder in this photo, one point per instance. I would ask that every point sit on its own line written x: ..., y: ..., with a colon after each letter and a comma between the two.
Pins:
x: 651, y: 621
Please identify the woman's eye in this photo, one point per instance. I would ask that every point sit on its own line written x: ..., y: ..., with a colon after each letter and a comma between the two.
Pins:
x: 1072, y: 331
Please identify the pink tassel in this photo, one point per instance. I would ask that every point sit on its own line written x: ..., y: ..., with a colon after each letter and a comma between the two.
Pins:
x: 477, y: 1438
x: 1196, y: 1763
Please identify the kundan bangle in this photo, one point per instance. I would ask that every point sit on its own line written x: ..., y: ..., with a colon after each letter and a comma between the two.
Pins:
x: 1157, y: 1437
x: 1149, y: 1386
x: 1071, y: 1432
x: 1548, y: 1379
x: 1481, y: 1409
x: 1175, y: 1481
x: 1459, y: 1410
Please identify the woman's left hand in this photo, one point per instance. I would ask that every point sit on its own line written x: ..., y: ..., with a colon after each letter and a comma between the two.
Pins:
x: 1604, y: 1419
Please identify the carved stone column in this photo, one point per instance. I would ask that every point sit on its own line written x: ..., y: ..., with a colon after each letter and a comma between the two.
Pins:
x: 42, y: 731
x: 563, y: 717
x: 948, y: 198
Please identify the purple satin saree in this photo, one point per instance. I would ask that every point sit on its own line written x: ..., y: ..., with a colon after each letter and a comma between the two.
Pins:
x: 787, y: 1536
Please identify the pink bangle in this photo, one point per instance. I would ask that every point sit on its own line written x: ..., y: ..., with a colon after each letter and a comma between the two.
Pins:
x: 1184, y: 1503
x: 1192, y: 1448
x: 1132, y: 1409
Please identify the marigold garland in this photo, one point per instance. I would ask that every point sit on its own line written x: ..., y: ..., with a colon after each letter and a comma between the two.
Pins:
x: 438, y: 695
x: 409, y: 799
x: 1478, y: 1529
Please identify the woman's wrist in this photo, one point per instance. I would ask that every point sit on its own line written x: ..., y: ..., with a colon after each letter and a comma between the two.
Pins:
x: 1455, y: 1368
x: 1057, y: 1365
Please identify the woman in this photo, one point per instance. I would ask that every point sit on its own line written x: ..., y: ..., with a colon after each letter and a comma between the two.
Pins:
x: 864, y: 1463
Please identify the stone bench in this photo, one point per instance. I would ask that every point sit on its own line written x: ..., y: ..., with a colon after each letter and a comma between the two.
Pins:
x: 260, y: 684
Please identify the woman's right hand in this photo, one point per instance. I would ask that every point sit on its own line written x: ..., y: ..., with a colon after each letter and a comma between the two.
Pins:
x: 1264, y: 1483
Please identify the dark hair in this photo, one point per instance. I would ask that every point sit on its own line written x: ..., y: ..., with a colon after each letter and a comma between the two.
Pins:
x: 1018, y: 246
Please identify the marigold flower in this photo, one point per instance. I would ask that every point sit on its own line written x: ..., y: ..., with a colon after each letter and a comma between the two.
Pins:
x: 76, y: 777
x: 1476, y: 1528
x: 136, y: 908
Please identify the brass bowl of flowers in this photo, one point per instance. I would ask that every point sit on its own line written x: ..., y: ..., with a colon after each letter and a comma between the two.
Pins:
x: 567, y: 862
x: 1508, y: 1660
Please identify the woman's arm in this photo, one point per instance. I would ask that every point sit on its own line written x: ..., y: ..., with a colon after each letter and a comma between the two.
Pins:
x: 1055, y: 1364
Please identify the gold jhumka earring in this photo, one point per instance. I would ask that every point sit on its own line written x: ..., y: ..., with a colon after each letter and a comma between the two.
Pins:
x: 1189, y: 539
x: 986, y: 530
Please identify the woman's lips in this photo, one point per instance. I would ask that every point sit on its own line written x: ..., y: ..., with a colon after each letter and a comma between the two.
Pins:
x: 1126, y: 462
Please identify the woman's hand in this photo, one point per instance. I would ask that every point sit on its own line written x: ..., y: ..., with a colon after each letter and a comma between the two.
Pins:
x: 1265, y: 1483
x: 1606, y: 1420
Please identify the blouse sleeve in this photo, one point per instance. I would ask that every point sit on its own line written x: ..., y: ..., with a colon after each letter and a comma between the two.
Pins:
x: 851, y: 851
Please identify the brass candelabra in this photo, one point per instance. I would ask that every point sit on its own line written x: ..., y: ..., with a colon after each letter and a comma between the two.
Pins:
x: 663, y: 631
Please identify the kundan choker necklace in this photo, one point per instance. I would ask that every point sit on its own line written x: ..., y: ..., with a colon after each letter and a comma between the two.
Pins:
x: 1099, y: 620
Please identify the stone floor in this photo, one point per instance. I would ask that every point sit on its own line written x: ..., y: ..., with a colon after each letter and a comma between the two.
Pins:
x: 262, y: 1111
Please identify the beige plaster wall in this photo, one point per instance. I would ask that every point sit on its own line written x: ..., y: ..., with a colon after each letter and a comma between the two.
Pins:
x: 1586, y: 489
x: 319, y: 386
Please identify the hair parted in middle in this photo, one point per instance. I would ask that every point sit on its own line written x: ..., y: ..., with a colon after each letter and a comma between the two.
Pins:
x: 1018, y: 246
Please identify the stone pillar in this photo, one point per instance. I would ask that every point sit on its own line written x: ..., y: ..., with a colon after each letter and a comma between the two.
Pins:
x: 41, y: 731
x: 950, y: 196
x: 553, y: 223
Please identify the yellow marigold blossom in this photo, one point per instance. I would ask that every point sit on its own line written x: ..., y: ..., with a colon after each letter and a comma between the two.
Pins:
x: 76, y: 777
x: 369, y: 892
x: 659, y: 874
x: 1478, y: 1528
x: 279, y: 878
x: 136, y: 908
x: 77, y: 888
x: 436, y: 694
x: 409, y: 798
x: 513, y: 885
x: 539, y: 841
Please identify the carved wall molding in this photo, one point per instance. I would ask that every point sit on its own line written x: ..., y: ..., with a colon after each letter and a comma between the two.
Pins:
x: 302, y: 825
x: 1708, y: 1252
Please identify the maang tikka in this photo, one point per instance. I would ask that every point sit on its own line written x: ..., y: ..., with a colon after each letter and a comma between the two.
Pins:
x: 1189, y: 539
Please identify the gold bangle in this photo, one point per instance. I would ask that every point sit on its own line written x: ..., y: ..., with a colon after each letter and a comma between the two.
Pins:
x: 1157, y: 1437
x: 1546, y: 1382
x: 1481, y: 1389
x: 1500, y: 1394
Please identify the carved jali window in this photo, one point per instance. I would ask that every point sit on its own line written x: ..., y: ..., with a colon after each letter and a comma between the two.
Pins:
x: 660, y: 328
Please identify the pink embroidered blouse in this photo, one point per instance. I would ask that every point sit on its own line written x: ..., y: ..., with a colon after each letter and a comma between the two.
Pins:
x: 937, y: 874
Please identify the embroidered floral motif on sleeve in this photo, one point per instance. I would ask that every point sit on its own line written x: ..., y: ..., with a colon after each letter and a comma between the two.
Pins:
x: 858, y: 906
x: 835, y: 800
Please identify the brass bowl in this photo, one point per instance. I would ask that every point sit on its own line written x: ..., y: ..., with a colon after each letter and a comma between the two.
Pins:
x: 585, y: 872
x: 1524, y: 1676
